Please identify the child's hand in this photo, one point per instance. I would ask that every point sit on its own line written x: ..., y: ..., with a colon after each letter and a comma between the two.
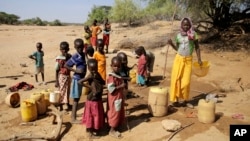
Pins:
x: 170, y: 41
x: 57, y: 85
x: 78, y: 70
x: 200, y: 62
x: 123, y: 85
x: 135, y: 65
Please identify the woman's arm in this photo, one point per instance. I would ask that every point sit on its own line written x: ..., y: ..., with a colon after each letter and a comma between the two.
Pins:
x: 198, y: 52
x: 175, y: 47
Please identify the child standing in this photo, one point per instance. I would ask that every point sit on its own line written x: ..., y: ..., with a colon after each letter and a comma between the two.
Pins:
x: 90, y: 52
x: 77, y: 60
x: 86, y: 37
x: 96, y: 30
x: 63, y: 75
x: 115, y: 101
x: 150, y: 64
x: 142, y: 66
x: 38, y: 57
x: 186, y: 41
x: 101, y: 59
x: 124, y: 71
x: 106, y: 34
x: 93, y: 116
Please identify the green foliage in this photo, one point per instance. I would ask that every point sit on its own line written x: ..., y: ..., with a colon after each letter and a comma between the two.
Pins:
x: 161, y: 9
x: 125, y: 11
x: 12, y: 19
x: 56, y: 23
x: 8, y: 18
x: 34, y: 21
x: 221, y: 13
x: 99, y: 13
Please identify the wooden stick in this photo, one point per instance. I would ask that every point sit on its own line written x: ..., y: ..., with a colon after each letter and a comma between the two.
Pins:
x: 53, y: 137
x: 179, y: 131
x: 165, y: 64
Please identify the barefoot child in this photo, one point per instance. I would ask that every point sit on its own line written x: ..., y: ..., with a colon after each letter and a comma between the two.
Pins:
x: 186, y: 42
x: 115, y: 101
x: 86, y: 37
x: 38, y: 57
x: 124, y: 71
x: 142, y: 66
x: 90, y: 52
x: 101, y: 59
x: 93, y: 116
x: 150, y: 59
x: 95, y: 30
x: 106, y: 34
x: 77, y: 60
x: 63, y: 75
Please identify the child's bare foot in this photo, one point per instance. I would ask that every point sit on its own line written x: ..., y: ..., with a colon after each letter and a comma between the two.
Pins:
x: 91, y: 135
x: 115, y: 134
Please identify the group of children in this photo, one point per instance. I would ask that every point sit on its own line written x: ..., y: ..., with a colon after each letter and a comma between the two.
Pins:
x: 116, y: 81
x: 90, y: 35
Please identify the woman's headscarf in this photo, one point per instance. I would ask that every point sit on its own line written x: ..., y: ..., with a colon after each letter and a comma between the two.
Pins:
x: 190, y: 33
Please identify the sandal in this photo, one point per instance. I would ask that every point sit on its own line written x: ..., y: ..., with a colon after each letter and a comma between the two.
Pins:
x: 115, y: 134
x: 191, y: 115
x: 189, y: 105
x: 176, y: 104
x: 238, y: 116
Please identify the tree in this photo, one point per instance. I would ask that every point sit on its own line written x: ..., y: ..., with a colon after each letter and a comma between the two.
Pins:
x: 220, y: 13
x: 99, y: 13
x: 56, y: 23
x: 161, y: 9
x: 125, y: 11
x: 8, y: 18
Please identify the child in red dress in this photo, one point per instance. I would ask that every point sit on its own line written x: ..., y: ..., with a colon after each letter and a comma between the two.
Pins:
x: 115, y: 101
x: 93, y: 116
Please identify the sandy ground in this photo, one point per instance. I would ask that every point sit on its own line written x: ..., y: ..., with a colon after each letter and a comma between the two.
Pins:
x: 228, y: 74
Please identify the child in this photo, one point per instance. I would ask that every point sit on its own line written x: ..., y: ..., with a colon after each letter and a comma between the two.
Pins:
x: 124, y: 71
x: 93, y: 115
x: 63, y: 75
x: 101, y: 59
x: 186, y: 41
x: 106, y: 33
x: 86, y: 37
x: 150, y: 57
x: 38, y: 57
x: 90, y: 52
x: 142, y: 66
x: 115, y: 101
x: 77, y: 60
x: 95, y: 29
x: 150, y: 64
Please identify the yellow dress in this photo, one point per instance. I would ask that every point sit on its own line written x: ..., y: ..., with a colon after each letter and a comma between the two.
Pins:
x: 180, y: 78
x: 101, y: 59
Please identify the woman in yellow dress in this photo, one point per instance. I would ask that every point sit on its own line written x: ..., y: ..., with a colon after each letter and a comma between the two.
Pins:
x: 186, y: 42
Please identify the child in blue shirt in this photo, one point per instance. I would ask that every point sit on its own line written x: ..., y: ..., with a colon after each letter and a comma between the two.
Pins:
x: 77, y: 60
x: 38, y: 57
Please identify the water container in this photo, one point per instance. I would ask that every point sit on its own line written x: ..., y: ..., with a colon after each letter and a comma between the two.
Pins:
x: 85, y: 90
x: 28, y: 110
x: 40, y: 103
x: 158, y: 101
x: 54, y: 97
x: 13, y: 99
x: 206, y: 111
x: 46, y: 94
x: 133, y: 76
